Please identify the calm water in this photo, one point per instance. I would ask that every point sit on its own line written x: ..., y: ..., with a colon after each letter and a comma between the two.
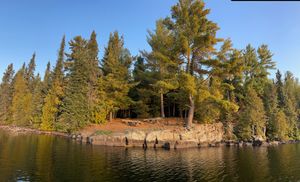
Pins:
x: 48, y: 158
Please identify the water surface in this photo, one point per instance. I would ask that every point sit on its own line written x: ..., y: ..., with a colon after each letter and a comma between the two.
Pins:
x: 47, y: 158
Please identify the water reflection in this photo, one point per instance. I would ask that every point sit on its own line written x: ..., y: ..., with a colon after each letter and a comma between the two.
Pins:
x: 48, y: 158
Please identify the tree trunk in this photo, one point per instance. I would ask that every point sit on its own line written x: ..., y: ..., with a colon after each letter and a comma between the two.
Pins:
x: 169, y: 109
x: 174, y: 108
x: 180, y: 113
x: 188, y: 65
x: 110, y: 116
x: 162, y: 109
x: 191, y: 112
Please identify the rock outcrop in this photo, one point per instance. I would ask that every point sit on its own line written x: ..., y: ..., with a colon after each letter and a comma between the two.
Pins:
x: 200, y: 135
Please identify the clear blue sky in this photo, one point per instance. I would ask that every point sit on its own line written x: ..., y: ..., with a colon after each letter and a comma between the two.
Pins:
x: 35, y: 25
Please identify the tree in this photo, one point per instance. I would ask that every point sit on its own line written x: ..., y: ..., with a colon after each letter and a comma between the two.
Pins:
x: 37, y: 101
x: 115, y: 81
x: 280, y: 91
x: 141, y: 93
x: 252, y: 119
x: 195, y: 37
x: 94, y: 73
x: 257, y: 66
x: 47, y: 80
x: 29, y: 73
x: 276, y: 118
x: 75, y: 108
x: 53, y: 99
x: 162, y: 60
x: 290, y: 105
x: 21, y: 108
x: 6, y: 94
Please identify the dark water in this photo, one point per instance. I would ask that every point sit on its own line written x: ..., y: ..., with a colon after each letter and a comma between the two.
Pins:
x: 48, y: 158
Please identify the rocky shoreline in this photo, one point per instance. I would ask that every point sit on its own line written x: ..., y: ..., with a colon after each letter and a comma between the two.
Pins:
x: 25, y: 130
x: 204, y: 135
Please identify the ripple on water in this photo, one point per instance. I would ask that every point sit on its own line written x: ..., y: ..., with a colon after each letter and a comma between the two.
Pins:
x: 48, y: 158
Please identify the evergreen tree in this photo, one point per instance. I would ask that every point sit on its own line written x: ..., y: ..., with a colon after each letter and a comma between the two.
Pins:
x: 29, y: 73
x: 37, y: 101
x: 75, y: 109
x: 290, y: 105
x: 276, y: 118
x: 162, y: 60
x: 252, y: 119
x: 141, y: 93
x: 21, y: 108
x: 115, y: 82
x: 47, y: 79
x: 6, y: 94
x: 93, y: 75
x: 53, y: 100
x: 195, y: 37
x: 280, y: 90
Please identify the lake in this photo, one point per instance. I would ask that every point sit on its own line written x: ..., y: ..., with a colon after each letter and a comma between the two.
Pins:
x: 33, y: 157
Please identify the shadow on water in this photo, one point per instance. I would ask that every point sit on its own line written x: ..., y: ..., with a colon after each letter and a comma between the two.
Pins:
x: 49, y: 158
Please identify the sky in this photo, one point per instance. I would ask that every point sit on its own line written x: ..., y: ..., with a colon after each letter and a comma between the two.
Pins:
x: 38, y: 26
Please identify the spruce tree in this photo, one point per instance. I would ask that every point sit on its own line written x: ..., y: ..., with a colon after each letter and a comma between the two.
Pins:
x: 280, y: 90
x: 53, y: 99
x: 75, y: 110
x: 252, y: 118
x: 21, y: 108
x: 47, y: 79
x: 276, y: 118
x: 93, y: 75
x: 141, y: 93
x: 115, y: 81
x: 37, y: 101
x: 29, y: 73
x: 6, y: 92
x: 290, y: 105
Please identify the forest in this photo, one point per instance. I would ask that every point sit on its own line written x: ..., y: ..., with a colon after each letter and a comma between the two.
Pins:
x: 189, y: 73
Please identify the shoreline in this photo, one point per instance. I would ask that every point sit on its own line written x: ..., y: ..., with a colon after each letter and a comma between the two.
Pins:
x: 26, y: 130
x: 116, y: 139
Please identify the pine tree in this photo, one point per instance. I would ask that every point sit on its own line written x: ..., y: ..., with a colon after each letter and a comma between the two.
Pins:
x: 6, y: 94
x: 195, y: 37
x: 162, y: 60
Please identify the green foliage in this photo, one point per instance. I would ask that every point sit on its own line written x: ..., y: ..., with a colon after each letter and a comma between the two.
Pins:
x: 21, y: 108
x: 75, y: 108
x: 252, y: 117
x: 6, y: 92
x: 53, y: 99
x: 114, y: 85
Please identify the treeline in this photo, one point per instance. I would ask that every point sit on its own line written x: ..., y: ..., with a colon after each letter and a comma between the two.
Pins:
x: 189, y: 73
